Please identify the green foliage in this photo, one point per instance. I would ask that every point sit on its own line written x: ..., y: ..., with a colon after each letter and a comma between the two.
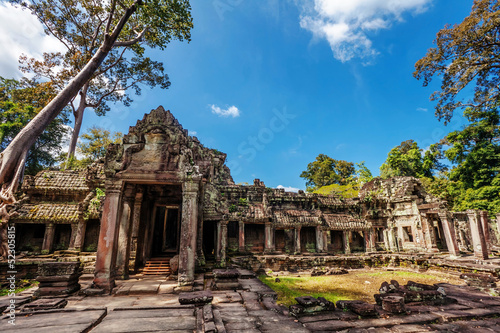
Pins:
x: 242, y: 202
x: 21, y: 285
x: 232, y: 208
x: 364, y: 174
x: 95, y: 141
x: 350, y: 190
x: 95, y: 202
x: 407, y: 160
x: 466, y: 54
x: 474, y: 180
x: 326, y: 171
x: 20, y: 101
x: 91, y: 248
x: 341, y: 177
x: 82, y: 26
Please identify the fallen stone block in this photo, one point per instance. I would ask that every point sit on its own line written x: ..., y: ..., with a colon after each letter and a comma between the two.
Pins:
x: 479, y: 280
x: 45, y: 304
x: 337, y: 271
x: 361, y: 308
x: 56, y: 291
x: 307, y: 301
x: 226, y: 274
x: 196, y: 297
x: 326, y: 304
x: 296, y: 310
x: 393, y: 304
x: 414, y: 286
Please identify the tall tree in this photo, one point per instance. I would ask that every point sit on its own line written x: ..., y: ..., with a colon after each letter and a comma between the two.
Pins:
x: 467, y: 54
x: 95, y: 141
x: 326, y: 171
x: 20, y: 101
x: 408, y: 159
x: 121, y: 24
x: 475, y: 153
x: 79, y: 24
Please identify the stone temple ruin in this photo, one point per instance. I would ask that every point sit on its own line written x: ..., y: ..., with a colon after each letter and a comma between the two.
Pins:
x: 166, y: 195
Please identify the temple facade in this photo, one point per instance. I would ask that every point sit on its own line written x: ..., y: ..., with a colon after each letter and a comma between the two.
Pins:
x: 167, y: 195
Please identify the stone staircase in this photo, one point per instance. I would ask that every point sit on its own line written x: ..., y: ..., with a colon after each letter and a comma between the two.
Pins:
x: 157, y: 266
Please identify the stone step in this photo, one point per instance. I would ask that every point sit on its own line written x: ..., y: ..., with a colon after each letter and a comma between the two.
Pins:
x: 157, y: 266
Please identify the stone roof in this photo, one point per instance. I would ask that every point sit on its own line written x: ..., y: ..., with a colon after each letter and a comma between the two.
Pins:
x: 345, y: 222
x: 64, y: 180
x: 56, y: 180
x: 330, y: 200
x: 296, y: 217
x: 48, y: 212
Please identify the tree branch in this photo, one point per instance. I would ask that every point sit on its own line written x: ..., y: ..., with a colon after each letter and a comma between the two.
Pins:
x: 133, y: 41
x: 112, y: 65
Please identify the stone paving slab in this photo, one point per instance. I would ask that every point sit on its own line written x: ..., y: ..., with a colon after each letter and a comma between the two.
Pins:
x: 138, y: 323
x: 452, y: 315
x: 54, y: 321
x: 151, y: 313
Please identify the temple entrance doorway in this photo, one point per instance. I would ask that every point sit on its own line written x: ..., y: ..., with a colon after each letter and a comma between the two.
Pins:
x: 209, y: 239
x: 439, y: 234
x: 166, y: 231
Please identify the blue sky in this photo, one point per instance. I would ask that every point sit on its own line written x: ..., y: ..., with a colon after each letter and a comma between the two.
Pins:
x: 275, y: 83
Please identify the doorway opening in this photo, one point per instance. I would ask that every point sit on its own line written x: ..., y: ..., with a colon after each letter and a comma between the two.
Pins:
x: 166, y: 231
x: 209, y: 239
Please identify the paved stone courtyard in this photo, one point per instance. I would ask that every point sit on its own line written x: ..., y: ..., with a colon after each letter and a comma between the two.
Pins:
x: 150, y: 305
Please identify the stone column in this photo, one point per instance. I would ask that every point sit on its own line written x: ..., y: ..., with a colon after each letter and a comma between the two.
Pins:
x: 241, y: 237
x: 106, y: 248
x: 296, y: 243
x: 80, y: 235
x: 221, y: 245
x: 48, y: 238
x: 123, y: 253
x: 449, y: 234
x: 373, y: 241
x: 72, y: 237
x: 386, y: 240
x: 289, y: 241
x: 224, y: 243
x: 187, y: 252
x: 320, y: 245
x: 369, y: 236
x: 430, y: 242
x: 478, y: 241
x: 269, y: 245
x: 136, y: 218
x: 326, y: 240
x: 200, y: 255
x: 345, y: 239
x: 486, y: 229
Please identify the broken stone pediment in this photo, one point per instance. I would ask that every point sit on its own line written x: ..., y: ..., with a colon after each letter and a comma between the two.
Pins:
x: 158, y: 143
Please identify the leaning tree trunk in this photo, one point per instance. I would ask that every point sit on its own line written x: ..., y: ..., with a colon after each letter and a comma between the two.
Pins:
x: 76, y: 131
x: 13, y: 158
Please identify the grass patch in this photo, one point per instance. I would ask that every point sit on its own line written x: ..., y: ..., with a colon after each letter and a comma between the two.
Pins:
x: 358, y: 284
x: 21, y: 285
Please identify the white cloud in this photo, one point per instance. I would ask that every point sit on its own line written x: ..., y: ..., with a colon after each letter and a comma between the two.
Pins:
x: 345, y: 24
x: 231, y: 111
x: 288, y: 188
x: 422, y: 109
x: 21, y: 32
x: 193, y: 133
